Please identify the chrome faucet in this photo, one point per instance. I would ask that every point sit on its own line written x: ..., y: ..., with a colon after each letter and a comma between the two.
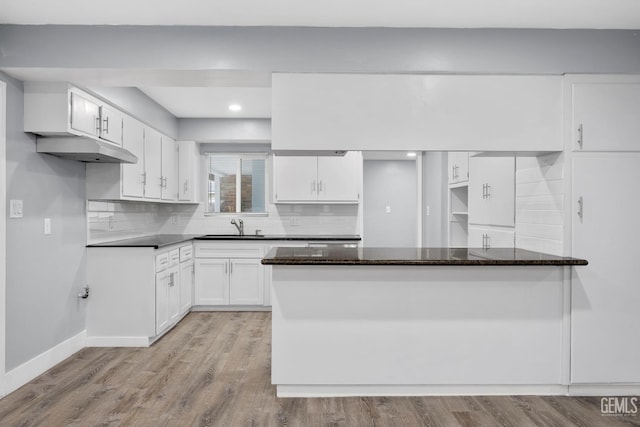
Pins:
x: 239, y: 225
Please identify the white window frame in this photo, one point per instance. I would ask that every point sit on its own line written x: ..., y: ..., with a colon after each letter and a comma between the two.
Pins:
x: 244, y: 156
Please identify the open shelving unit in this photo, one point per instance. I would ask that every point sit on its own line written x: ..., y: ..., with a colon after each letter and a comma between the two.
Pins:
x: 458, y: 214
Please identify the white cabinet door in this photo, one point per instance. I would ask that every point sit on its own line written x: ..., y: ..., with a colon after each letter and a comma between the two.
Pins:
x: 85, y: 115
x: 186, y: 170
x: 111, y: 128
x: 458, y: 170
x: 187, y: 275
x: 295, y: 178
x: 212, y: 281
x: 133, y: 174
x: 174, y: 295
x: 605, y: 116
x: 169, y: 169
x: 605, y: 294
x: 339, y: 177
x: 152, y: 163
x: 246, y: 282
x: 163, y: 281
x: 492, y: 191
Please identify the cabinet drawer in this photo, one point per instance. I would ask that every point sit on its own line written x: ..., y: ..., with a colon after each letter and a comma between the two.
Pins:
x: 229, y: 251
x: 186, y: 253
x: 174, y: 257
x: 162, y: 262
x: 494, y: 238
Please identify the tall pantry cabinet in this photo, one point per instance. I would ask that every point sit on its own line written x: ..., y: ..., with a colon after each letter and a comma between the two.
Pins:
x: 605, y: 171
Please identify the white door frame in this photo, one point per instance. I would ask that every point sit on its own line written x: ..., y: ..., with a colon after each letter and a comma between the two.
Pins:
x: 3, y: 235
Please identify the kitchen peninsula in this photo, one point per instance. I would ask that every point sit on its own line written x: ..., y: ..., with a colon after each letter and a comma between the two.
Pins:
x: 416, y: 321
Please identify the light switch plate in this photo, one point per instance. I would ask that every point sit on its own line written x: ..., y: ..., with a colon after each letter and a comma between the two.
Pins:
x: 387, y: 209
x: 15, y: 209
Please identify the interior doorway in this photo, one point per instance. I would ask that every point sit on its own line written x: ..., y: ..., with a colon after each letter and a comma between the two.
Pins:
x: 390, y: 201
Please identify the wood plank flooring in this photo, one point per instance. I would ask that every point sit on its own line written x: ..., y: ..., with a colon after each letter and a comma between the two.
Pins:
x: 213, y: 369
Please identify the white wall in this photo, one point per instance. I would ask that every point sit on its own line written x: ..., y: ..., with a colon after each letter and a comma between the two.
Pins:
x: 44, y: 272
x: 3, y: 232
x: 540, y: 203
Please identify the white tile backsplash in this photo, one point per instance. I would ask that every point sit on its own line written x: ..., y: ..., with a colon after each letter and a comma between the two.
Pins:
x: 540, y: 203
x: 121, y: 220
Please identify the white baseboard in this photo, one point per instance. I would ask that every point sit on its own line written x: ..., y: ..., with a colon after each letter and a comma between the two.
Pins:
x: 24, y: 373
x: 419, y: 390
x: 604, y: 390
x: 231, y: 308
x: 118, y: 342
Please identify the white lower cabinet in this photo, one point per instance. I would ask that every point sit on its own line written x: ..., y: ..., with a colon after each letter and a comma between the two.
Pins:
x: 229, y: 273
x: 212, y: 282
x: 229, y: 281
x: 167, y: 298
x: 491, y: 237
x: 137, y: 293
x: 605, y: 295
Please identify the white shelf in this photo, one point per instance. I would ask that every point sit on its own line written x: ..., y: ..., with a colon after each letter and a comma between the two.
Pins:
x: 459, y: 213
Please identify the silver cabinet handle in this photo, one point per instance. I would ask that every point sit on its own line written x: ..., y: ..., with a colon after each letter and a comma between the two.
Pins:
x: 230, y: 267
x: 488, y: 244
x: 106, y: 125
x: 484, y: 191
x: 319, y: 186
x: 580, y: 207
x: 313, y: 187
x: 580, y: 136
x: 98, y: 126
x: 144, y: 178
x: 488, y: 191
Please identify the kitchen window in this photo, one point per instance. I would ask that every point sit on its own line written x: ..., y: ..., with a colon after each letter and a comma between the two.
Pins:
x: 236, y: 183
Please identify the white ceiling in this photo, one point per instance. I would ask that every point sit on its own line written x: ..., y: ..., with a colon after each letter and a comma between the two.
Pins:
x: 208, y: 94
x: 622, y: 14
x: 203, y: 102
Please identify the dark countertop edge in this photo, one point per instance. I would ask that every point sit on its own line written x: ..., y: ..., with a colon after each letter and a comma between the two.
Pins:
x: 131, y: 242
x: 311, y: 261
x: 284, y: 238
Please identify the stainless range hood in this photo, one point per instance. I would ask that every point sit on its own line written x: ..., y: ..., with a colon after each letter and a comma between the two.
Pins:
x: 84, y: 149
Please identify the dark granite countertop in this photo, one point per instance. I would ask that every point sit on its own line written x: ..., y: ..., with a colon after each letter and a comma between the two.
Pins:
x: 161, y: 240
x: 413, y: 256
x: 313, y: 238
x: 156, y: 241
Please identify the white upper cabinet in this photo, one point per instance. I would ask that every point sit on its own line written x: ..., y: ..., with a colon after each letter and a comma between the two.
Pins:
x: 458, y: 167
x: 169, y: 171
x: 310, y: 179
x: 416, y: 112
x: 492, y: 191
x: 85, y: 114
x: 339, y: 177
x: 111, y: 124
x: 605, y: 116
x: 59, y: 109
x: 295, y: 178
x: 153, y: 164
x: 187, y: 152
x: 133, y: 174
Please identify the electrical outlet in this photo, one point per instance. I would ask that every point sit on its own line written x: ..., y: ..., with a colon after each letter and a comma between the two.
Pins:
x: 387, y: 209
x: 15, y: 209
x: 47, y: 226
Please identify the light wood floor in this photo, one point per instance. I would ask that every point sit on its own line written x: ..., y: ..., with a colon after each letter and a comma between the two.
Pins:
x: 213, y: 369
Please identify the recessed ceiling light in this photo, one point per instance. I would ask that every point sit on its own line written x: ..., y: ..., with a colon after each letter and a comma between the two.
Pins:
x: 235, y: 107
x: 411, y: 154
